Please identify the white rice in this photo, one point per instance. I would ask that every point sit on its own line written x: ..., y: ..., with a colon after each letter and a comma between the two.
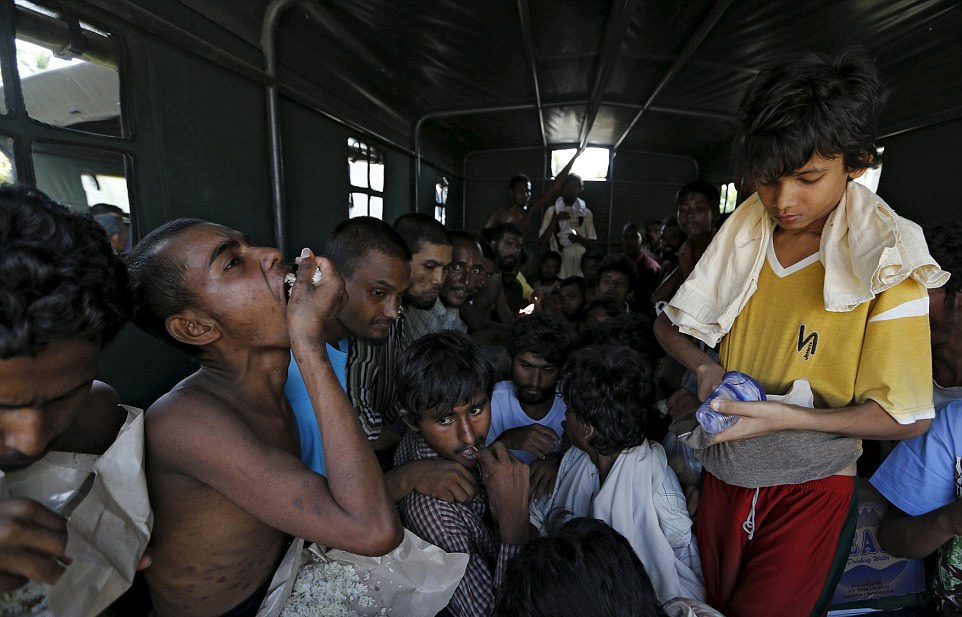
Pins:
x: 27, y: 600
x: 327, y: 590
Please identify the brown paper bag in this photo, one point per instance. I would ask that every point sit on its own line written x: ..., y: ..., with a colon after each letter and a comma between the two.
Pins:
x: 108, y: 518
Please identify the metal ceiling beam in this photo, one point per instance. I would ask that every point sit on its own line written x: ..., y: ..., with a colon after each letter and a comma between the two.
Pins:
x: 524, y: 14
x: 696, y: 39
x: 615, y: 31
x: 448, y: 114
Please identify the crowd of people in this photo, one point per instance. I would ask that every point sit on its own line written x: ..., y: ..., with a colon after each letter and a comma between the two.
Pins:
x: 409, y: 376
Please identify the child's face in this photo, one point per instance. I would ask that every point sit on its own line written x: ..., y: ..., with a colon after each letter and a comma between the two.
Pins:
x: 802, y: 200
x: 457, y: 434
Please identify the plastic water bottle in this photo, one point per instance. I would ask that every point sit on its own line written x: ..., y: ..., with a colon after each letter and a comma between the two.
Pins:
x: 735, y: 386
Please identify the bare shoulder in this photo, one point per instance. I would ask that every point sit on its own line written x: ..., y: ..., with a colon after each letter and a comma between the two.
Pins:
x: 189, y: 418
x: 96, y: 425
x: 194, y: 429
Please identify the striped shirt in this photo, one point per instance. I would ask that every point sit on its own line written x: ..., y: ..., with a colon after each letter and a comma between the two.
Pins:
x: 456, y: 528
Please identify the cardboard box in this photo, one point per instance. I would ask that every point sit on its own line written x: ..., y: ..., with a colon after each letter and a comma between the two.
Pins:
x: 871, y: 573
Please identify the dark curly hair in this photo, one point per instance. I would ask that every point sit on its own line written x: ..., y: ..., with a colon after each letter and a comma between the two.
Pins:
x: 440, y: 371
x: 810, y: 104
x: 945, y: 244
x: 59, y: 277
x: 542, y: 334
x: 583, y: 569
x: 159, y: 282
x: 609, y: 388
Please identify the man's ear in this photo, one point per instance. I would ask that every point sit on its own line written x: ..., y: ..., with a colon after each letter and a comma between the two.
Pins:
x: 191, y: 328
x: 409, y: 421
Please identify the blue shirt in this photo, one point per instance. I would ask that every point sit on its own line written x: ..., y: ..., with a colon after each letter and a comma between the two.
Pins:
x: 921, y: 474
x: 506, y: 413
x: 312, y: 450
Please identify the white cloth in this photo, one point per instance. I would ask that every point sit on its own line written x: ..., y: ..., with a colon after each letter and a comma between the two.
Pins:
x: 581, y: 221
x: 506, y: 413
x: 865, y: 247
x: 642, y: 500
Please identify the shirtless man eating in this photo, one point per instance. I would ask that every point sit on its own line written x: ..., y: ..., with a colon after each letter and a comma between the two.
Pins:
x: 224, y: 473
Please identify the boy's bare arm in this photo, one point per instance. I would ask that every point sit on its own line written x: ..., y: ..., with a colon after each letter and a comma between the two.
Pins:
x: 916, y: 537
x: 445, y: 480
x: 867, y: 420
x: 682, y: 349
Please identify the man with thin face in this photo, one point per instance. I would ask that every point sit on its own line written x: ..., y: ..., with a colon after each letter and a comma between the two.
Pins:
x: 464, y: 273
x: 430, y: 248
x: 225, y: 479
x: 63, y: 297
x: 527, y: 411
x: 507, y: 240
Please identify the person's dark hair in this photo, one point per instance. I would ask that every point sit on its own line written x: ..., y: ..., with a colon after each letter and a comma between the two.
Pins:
x: 554, y: 255
x: 159, y: 282
x: 571, y: 178
x: 110, y: 209
x: 945, y: 245
x: 542, y: 334
x: 608, y: 387
x: 460, y: 234
x: 502, y: 229
x: 612, y: 310
x: 418, y: 229
x: 812, y: 104
x: 619, y: 262
x: 59, y: 277
x: 583, y: 569
x: 631, y: 329
x: 670, y: 221
x: 518, y: 178
x: 440, y: 371
x: 700, y: 187
x: 354, y: 239
x: 576, y: 280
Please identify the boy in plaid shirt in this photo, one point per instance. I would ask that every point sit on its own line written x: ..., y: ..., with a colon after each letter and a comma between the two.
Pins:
x: 444, y: 386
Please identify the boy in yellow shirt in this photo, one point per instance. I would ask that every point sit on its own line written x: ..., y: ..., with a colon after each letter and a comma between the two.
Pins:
x: 815, y: 278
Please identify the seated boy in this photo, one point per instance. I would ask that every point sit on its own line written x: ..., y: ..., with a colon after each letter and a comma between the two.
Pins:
x: 63, y: 296
x: 613, y: 473
x: 812, y: 277
x: 444, y: 385
x: 527, y: 411
x: 225, y: 478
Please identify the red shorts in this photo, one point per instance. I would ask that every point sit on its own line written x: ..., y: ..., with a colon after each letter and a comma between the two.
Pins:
x: 802, y: 538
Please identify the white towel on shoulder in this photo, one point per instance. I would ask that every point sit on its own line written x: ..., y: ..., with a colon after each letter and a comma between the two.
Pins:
x: 865, y: 248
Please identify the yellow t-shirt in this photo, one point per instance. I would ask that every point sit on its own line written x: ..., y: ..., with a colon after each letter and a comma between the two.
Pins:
x: 880, y: 351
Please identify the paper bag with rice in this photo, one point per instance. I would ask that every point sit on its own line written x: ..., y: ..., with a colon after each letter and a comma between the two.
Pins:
x: 109, y: 519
